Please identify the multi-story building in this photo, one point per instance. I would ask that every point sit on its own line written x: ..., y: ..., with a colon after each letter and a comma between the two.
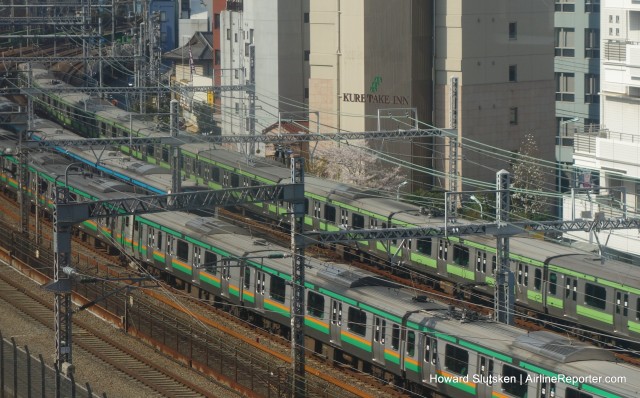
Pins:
x: 485, y: 68
x: 270, y: 34
x: 577, y: 75
x: 610, y: 156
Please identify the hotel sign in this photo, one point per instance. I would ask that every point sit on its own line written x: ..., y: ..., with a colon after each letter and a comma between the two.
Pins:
x: 375, y: 98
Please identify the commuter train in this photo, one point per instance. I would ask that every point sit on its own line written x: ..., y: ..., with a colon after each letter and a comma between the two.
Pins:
x: 552, y: 280
x: 352, y: 316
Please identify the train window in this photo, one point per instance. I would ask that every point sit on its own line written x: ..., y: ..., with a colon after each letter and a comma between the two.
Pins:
x: 344, y: 217
x: 526, y: 275
x: 411, y: 343
x: 215, y: 174
x: 571, y: 393
x: 235, y: 180
x: 357, y: 220
x: 494, y: 265
x: 553, y: 283
x: 136, y: 225
x: 210, y: 262
x: 456, y: 359
x: 595, y: 296
x: 357, y: 321
x: 461, y: 255
x: 429, y: 351
x: 165, y: 153
x: 330, y: 213
x: 277, y: 288
x: 443, y: 250
x: 169, y: 249
x: 537, y: 279
x: 247, y: 277
x: 548, y: 390
x: 315, y: 304
x: 395, y: 337
x: 306, y: 206
x: 197, y: 252
x: 514, y: 381
x: 150, y: 150
x: 150, y: 238
x: 317, y: 210
x: 424, y: 246
x: 519, y: 273
x: 159, y: 241
x: 182, y: 250
x: 373, y: 223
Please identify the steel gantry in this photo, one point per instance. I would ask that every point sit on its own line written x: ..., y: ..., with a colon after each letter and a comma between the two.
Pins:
x: 66, y: 214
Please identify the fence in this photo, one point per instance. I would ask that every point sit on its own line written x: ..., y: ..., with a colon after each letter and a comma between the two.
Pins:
x: 23, y: 375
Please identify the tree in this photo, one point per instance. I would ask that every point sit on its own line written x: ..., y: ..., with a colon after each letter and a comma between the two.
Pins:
x: 527, y: 181
x: 356, y: 166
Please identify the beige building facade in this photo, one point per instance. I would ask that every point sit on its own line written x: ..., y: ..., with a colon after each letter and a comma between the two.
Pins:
x: 483, y: 67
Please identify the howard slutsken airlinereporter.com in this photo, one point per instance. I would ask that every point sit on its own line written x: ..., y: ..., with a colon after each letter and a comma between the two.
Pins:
x: 522, y: 379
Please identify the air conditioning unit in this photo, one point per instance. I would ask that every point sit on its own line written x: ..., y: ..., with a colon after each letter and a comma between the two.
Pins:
x: 58, y: 131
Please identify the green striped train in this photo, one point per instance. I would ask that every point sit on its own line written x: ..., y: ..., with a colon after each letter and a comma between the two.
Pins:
x: 351, y: 316
x: 552, y: 281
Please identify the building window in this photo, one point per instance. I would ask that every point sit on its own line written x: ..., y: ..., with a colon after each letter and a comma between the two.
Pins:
x: 592, y: 6
x: 565, y: 42
x: 163, y: 16
x: 216, y: 21
x: 513, y: 116
x: 591, y: 88
x: 235, y: 37
x: 565, y: 5
x: 513, y: 73
x: 228, y: 34
x: 306, y: 17
x: 513, y: 30
x: 306, y: 55
x: 217, y: 57
x: 592, y: 43
x: 565, y: 87
x: 306, y: 92
x: 237, y: 108
x: 246, y: 49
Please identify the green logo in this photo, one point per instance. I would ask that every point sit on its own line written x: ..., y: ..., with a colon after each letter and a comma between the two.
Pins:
x: 375, y: 83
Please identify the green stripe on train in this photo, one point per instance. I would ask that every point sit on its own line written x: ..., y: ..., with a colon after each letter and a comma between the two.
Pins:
x: 594, y: 314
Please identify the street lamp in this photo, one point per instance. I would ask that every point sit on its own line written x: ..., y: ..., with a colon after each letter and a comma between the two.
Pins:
x: 473, y: 197
x: 402, y: 184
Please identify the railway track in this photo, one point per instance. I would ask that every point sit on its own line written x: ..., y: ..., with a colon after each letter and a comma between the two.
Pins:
x: 96, y: 343
x: 328, y: 379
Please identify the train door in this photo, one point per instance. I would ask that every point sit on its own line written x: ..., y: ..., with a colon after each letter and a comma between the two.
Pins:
x: 151, y: 243
x: 259, y: 292
x: 336, y: 321
x: 485, y: 372
x: 225, y: 275
x: 379, y: 333
x: 523, y: 283
x: 430, y: 359
x: 481, y: 266
x: 621, y: 313
x: 570, y: 296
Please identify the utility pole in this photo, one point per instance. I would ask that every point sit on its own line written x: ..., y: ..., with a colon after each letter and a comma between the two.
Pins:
x: 504, y: 295
x: 252, y: 98
x: 297, y: 282
x: 23, y: 185
x: 175, y: 149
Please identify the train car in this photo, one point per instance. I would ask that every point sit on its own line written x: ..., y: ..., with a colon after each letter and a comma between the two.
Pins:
x: 352, y: 316
x: 604, y: 300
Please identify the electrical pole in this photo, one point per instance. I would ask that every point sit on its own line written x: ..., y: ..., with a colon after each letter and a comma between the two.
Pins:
x: 504, y: 295
x: 175, y: 149
x: 252, y: 98
x: 297, y: 282
x: 23, y: 185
